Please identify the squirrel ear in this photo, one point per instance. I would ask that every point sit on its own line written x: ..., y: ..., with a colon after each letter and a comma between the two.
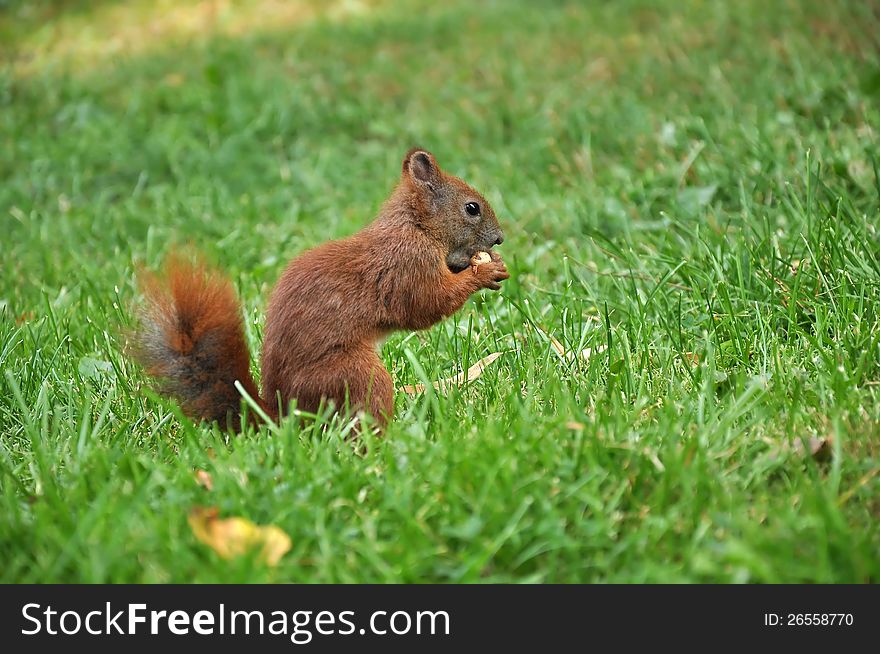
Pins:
x: 421, y: 166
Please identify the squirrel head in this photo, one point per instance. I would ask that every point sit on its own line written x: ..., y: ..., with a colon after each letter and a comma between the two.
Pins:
x: 450, y: 210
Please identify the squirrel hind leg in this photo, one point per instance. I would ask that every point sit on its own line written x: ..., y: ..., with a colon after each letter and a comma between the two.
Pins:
x: 367, y: 386
x: 379, y: 401
x: 355, y: 380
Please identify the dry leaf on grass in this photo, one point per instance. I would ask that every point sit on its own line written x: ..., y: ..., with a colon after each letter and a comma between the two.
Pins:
x: 844, y: 498
x: 460, y: 379
x: 204, y: 480
x: 599, y: 349
x: 232, y: 537
x: 554, y: 342
x: 568, y: 355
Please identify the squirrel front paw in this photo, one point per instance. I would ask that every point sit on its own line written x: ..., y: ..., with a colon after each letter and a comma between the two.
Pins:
x: 489, y: 270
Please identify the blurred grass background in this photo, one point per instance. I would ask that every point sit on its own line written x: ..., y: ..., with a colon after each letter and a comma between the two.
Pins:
x: 688, y: 189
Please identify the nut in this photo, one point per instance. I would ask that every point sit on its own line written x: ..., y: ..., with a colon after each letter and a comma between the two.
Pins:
x: 481, y: 257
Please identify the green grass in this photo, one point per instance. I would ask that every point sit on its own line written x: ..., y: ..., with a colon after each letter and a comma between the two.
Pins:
x: 689, y: 189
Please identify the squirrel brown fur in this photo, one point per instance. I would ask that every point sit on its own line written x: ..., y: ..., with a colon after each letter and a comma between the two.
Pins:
x: 331, y: 308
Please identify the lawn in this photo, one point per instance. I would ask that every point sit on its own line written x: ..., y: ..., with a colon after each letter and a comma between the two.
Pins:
x: 688, y: 386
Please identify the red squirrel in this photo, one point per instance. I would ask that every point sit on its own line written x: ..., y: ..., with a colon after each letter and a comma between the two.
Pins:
x: 408, y: 269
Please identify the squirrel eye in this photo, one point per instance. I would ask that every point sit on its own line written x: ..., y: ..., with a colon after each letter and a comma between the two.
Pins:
x: 472, y: 208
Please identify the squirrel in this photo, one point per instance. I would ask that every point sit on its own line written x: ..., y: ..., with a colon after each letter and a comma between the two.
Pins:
x: 333, y: 305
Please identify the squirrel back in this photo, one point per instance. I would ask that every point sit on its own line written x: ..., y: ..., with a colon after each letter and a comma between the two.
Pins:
x: 408, y: 269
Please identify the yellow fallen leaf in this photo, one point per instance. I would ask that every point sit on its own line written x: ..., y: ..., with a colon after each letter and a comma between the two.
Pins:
x: 204, y: 480
x: 461, y: 378
x: 232, y: 537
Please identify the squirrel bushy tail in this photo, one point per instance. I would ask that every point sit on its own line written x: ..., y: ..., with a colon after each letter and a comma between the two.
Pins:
x: 191, y: 339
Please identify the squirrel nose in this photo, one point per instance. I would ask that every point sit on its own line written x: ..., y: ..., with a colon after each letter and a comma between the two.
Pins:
x: 500, y: 239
